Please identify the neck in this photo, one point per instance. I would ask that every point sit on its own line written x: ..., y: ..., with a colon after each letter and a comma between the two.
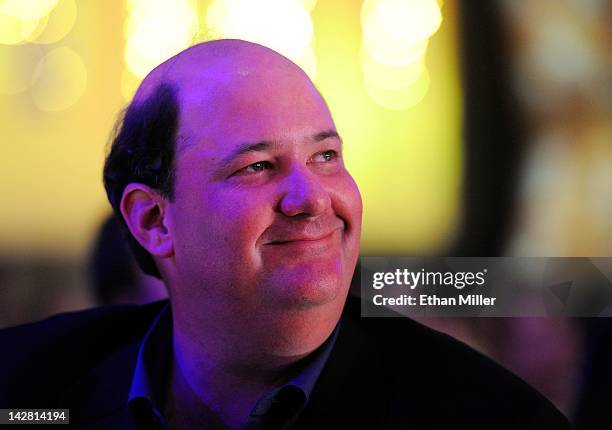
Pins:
x: 217, y: 377
x: 222, y: 363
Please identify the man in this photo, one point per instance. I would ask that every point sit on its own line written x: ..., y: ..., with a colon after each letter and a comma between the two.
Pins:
x: 228, y: 173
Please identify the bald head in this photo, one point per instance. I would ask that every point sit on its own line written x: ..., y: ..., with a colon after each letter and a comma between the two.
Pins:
x: 216, y: 64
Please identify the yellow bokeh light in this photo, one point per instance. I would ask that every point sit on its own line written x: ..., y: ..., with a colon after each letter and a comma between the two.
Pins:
x: 177, y: 10
x: 216, y: 15
x: 309, y: 4
x: 18, y: 63
x: 41, y: 24
x: 14, y: 30
x: 148, y: 46
x: 401, y: 22
x: 283, y: 25
x: 396, y: 32
x: 391, y: 78
x: 395, y: 39
x: 57, y: 24
x: 129, y: 84
x: 156, y: 31
x: 308, y: 62
x: 60, y: 80
x: 394, y: 55
x: 27, y: 9
x: 399, y: 98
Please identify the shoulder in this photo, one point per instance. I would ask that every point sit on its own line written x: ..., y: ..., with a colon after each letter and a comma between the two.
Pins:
x: 53, y: 353
x: 421, y: 366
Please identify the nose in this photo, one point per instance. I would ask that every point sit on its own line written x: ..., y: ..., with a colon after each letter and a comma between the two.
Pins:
x: 304, y: 194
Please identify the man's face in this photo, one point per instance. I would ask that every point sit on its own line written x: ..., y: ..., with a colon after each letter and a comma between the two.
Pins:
x: 265, y: 216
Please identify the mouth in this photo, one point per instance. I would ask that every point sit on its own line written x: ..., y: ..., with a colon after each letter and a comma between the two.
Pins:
x: 303, y: 239
x: 306, y: 241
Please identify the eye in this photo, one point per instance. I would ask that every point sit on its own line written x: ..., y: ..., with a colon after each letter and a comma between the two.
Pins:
x: 260, y: 166
x: 326, y: 156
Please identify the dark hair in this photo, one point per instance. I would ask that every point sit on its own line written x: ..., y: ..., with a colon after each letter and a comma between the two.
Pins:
x: 142, y: 151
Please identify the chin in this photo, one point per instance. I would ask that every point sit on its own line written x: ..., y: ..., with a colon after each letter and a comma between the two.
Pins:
x: 306, y: 286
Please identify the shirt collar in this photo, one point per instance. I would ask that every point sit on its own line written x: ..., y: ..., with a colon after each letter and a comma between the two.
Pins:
x: 153, y: 360
x: 307, y: 378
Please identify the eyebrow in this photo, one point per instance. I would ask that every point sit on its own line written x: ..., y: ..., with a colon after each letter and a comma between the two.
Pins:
x: 326, y: 135
x: 265, y: 144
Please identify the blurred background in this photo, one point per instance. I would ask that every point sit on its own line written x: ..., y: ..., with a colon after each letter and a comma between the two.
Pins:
x: 475, y: 128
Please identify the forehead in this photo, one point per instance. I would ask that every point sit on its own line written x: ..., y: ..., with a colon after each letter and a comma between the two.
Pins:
x: 221, y: 110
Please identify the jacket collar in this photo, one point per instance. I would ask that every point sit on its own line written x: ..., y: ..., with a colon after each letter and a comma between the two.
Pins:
x: 98, y: 400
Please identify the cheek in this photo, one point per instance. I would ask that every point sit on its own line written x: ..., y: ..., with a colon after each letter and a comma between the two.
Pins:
x: 222, y: 224
x: 347, y: 201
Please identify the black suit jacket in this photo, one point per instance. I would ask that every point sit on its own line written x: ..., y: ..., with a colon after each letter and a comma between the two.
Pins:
x: 383, y: 373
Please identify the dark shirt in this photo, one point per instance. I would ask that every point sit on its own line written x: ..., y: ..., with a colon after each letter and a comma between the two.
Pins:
x: 277, y: 409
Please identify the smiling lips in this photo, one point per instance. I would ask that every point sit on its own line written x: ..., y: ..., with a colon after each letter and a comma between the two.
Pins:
x: 311, y: 236
x: 304, y: 239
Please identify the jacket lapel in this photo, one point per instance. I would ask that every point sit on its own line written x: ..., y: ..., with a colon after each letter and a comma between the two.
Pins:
x: 99, y: 399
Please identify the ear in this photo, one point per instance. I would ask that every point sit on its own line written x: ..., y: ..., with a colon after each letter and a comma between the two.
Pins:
x: 144, y: 211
